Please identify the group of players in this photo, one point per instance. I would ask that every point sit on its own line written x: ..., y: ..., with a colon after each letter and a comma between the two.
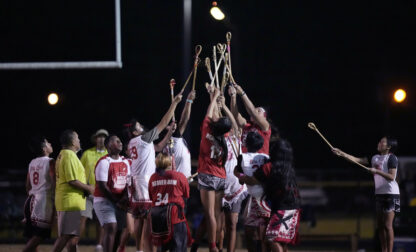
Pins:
x: 151, y: 182
x: 239, y: 160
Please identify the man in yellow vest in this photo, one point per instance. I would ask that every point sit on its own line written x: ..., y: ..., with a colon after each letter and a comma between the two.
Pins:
x: 71, y: 188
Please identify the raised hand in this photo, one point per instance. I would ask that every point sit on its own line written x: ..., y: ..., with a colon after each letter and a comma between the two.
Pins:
x: 192, y: 95
x: 231, y: 90
x: 178, y: 98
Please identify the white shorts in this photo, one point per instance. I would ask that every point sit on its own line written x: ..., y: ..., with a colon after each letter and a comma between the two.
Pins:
x: 88, y: 207
x: 105, y: 211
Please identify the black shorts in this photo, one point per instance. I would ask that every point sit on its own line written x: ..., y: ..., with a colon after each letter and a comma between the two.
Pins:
x: 387, y: 203
x: 179, y: 240
x: 210, y: 182
x: 30, y: 228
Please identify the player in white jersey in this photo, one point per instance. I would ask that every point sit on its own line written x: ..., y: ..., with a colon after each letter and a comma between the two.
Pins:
x: 142, y: 152
x: 384, y: 168
x: 179, y: 148
x: 40, y: 185
x: 257, y: 210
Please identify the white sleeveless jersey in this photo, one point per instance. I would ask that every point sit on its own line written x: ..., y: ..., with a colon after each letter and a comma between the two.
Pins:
x: 250, y: 163
x: 182, y: 156
x: 40, y: 179
x: 382, y: 185
x: 231, y: 181
x: 143, y: 158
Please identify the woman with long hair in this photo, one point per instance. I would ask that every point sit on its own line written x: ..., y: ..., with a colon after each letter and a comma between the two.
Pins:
x: 384, y: 168
x: 279, y: 182
x: 213, y: 154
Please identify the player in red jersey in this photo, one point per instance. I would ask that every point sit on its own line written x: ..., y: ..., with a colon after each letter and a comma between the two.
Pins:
x: 213, y: 154
x: 258, y: 118
x: 110, y: 195
x: 167, y: 190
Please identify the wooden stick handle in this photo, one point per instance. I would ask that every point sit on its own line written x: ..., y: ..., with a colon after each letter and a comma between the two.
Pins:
x: 312, y: 126
x: 187, y: 80
x: 198, y: 50
x: 172, y: 95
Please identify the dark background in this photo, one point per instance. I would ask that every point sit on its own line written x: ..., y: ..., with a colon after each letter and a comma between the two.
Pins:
x: 335, y: 63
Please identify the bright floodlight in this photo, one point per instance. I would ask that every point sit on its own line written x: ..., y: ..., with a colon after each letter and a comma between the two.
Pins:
x: 52, y: 98
x: 216, y: 12
x: 399, y: 95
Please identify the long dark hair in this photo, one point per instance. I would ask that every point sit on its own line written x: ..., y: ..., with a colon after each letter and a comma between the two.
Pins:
x: 275, y: 133
x: 281, y: 183
x: 218, y: 129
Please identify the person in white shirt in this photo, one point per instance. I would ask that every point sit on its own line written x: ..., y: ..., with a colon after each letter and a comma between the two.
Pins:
x: 257, y: 210
x: 142, y: 152
x: 40, y: 185
x: 384, y: 168
x: 179, y: 149
x: 110, y: 195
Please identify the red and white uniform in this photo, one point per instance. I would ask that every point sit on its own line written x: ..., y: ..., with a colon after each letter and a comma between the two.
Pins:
x: 167, y: 191
x: 113, y: 171
x: 41, y: 203
x: 250, y: 163
x: 143, y: 166
x: 233, y: 188
x: 210, y: 151
x: 172, y: 187
x: 257, y: 208
x: 249, y: 127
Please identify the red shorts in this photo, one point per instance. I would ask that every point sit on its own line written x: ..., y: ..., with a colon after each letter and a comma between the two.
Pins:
x: 257, y: 212
x: 283, y: 226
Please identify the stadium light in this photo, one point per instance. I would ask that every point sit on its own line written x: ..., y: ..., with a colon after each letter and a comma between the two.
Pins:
x: 399, y: 95
x: 53, y: 98
x: 216, y: 12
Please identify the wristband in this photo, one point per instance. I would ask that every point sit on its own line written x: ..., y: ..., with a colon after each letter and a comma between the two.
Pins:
x: 189, y: 100
x: 243, y: 94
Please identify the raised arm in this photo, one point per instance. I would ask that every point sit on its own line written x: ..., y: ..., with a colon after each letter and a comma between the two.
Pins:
x: 351, y: 158
x: 212, y: 106
x: 171, y: 128
x: 241, y: 121
x: 229, y: 114
x: 186, y: 113
x: 251, y: 109
x: 169, y: 114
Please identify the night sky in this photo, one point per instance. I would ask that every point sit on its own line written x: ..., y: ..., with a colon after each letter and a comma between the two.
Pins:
x: 335, y: 63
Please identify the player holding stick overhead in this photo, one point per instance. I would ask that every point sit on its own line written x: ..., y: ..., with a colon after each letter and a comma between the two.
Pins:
x: 180, y: 150
x: 386, y: 188
x: 142, y: 153
x: 40, y: 186
x: 258, y: 118
x: 212, y: 157
x: 234, y: 193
